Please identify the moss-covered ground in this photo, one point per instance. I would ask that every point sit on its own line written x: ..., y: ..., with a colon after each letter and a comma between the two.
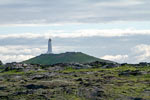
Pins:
x: 119, y: 83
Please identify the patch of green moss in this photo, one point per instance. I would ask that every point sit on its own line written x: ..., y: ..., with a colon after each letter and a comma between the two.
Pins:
x: 12, y: 72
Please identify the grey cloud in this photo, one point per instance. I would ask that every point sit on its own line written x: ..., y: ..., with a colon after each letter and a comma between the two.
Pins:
x: 72, y: 11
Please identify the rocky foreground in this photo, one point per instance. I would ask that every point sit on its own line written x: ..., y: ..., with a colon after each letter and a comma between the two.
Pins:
x: 93, y: 81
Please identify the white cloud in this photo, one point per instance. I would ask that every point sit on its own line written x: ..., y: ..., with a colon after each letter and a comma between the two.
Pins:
x: 30, y: 25
x: 110, y: 32
x: 79, y: 33
x: 14, y: 58
x: 17, y: 53
x: 143, y: 52
x: 18, y: 49
x: 121, y: 3
x: 117, y: 58
x: 32, y: 44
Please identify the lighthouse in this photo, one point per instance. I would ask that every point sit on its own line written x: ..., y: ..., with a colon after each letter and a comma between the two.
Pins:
x: 49, y: 47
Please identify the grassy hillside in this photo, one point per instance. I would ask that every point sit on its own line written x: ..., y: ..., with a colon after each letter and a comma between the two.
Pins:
x: 68, y: 57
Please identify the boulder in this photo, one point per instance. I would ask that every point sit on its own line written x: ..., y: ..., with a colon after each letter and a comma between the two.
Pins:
x: 123, y: 64
x: 129, y: 72
x: 138, y: 99
x: 143, y: 64
x: 32, y: 86
x: 39, y: 77
x: 93, y: 93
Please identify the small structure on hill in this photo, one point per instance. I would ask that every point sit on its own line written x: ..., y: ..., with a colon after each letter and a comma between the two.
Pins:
x: 1, y: 62
x: 49, y: 47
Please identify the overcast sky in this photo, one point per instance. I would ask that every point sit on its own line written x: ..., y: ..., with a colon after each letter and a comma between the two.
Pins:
x: 117, y: 30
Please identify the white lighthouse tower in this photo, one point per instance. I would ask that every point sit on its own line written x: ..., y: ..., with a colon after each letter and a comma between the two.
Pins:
x: 49, y: 47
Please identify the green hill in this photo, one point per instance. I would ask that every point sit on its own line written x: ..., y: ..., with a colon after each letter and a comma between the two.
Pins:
x: 68, y: 57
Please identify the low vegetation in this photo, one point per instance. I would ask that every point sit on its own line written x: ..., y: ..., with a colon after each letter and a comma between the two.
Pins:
x: 68, y: 57
x: 68, y: 83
